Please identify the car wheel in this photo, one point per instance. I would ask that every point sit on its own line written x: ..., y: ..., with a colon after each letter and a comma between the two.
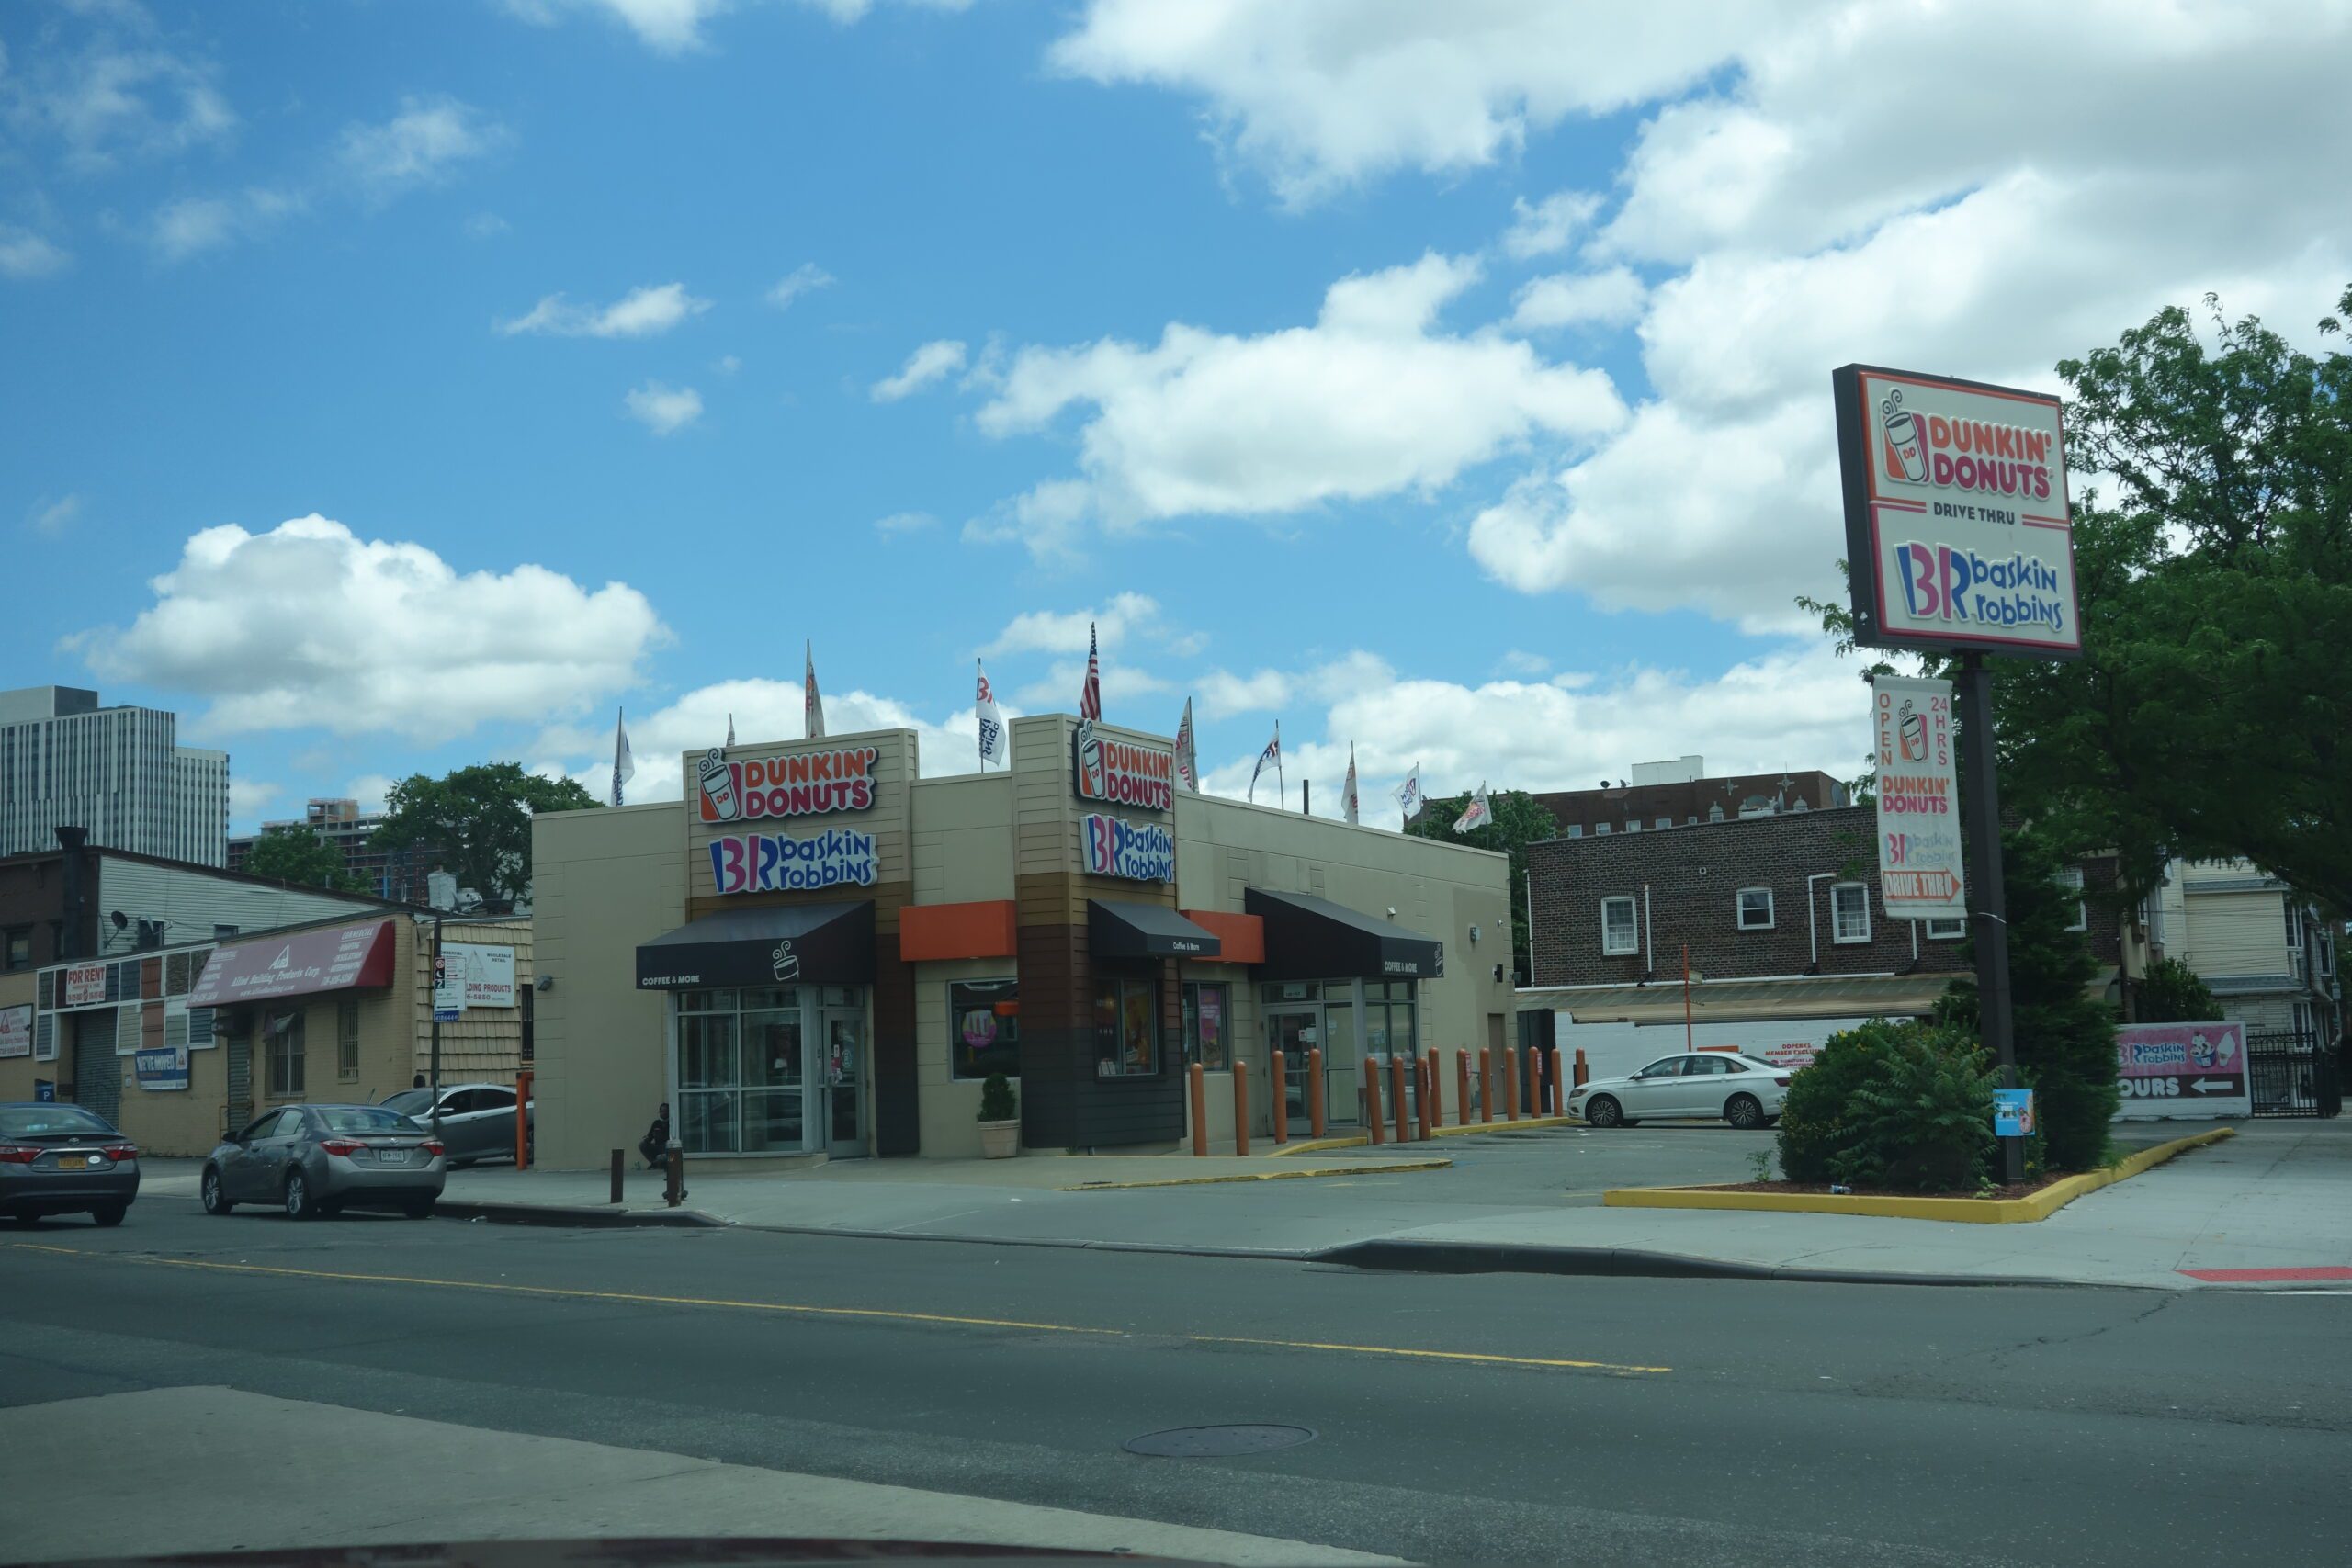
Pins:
x: 209, y: 1194
x: 109, y: 1216
x: 28, y: 1221
x: 1744, y: 1111
x: 299, y: 1204
x: 1603, y: 1111
x: 418, y: 1209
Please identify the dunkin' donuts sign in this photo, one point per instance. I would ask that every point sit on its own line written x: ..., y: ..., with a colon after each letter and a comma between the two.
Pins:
x: 1956, y: 519
x: 799, y: 785
x: 1121, y: 772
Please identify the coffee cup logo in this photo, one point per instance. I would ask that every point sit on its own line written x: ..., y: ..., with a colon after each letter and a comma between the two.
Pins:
x: 1914, y: 735
x: 1089, y: 761
x: 1906, y: 455
x: 718, y: 787
x: 784, y: 961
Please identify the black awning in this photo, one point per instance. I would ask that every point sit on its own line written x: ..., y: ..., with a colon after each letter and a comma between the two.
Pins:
x: 775, y: 945
x: 1313, y: 939
x: 1145, y: 930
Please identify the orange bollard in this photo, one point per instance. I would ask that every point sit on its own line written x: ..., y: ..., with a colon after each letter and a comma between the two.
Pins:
x: 1200, y: 1113
x: 1421, y: 1099
x: 1240, y: 1106
x: 1485, y: 1085
x: 1534, y: 1081
x: 1278, y: 1089
x: 1559, y: 1084
x: 1371, y: 1100
x: 522, y: 1118
x: 1396, y: 1094
x: 1434, y: 1065
x: 1510, y: 1083
x: 1461, y: 1086
x: 1584, y: 1073
x: 1315, y: 1090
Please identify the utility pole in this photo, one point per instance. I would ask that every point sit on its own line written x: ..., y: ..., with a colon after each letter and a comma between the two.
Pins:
x: 436, y: 1079
x: 1988, y: 915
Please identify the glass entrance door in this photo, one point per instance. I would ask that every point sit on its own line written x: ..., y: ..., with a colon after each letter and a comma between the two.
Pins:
x: 844, y: 1083
x: 1294, y: 1034
x: 1343, y: 1063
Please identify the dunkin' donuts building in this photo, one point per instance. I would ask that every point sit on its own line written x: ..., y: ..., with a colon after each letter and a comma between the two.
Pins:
x: 820, y: 952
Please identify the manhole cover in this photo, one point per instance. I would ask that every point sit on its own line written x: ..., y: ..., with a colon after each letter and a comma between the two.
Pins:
x: 1218, y: 1442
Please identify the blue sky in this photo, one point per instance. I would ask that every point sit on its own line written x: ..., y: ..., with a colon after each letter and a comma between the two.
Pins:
x: 493, y: 289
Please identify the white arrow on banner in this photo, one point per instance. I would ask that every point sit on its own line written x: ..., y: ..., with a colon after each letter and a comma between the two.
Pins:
x: 2208, y: 1085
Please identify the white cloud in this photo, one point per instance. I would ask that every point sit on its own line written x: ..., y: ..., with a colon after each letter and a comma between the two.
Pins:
x: 1546, y: 228
x: 727, y: 364
x: 1048, y: 631
x: 645, y: 311
x: 52, y: 518
x: 1319, y: 93
x: 195, y: 224
x: 369, y: 790
x: 485, y: 226
x: 664, y: 410
x: 1612, y: 299
x: 932, y: 363
x: 675, y: 26
x: 249, y: 798
x: 1518, y: 661
x: 26, y: 254
x: 417, y: 146
x: 901, y: 523
x: 803, y: 279
x: 117, y: 93
x: 1370, y: 400
x: 369, y: 635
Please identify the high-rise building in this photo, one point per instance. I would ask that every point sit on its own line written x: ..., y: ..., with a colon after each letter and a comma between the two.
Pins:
x: 119, y: 771
x: 403, y: 874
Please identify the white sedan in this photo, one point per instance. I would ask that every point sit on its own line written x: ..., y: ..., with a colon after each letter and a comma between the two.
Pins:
x: 1741, y: 1090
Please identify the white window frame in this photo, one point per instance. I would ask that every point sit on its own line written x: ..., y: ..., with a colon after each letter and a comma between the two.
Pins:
x: 1575, y: 831
x: 1951, y: 929
x: 1633, y: 925
x: 2071, y: 877
x: 1739, y: 910
x: 1837, y: 926
x: 1663, y: 822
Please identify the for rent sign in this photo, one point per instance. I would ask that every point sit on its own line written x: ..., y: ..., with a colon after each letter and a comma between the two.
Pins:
x: 1919, y: 806
x: 1956, y: 519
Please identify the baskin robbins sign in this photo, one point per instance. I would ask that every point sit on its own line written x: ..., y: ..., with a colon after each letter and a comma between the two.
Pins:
x: 779, y: 863
x: 803, y: 785
x: 1121, y: 773
x: 1142, y: 852
x: 1956, y: 519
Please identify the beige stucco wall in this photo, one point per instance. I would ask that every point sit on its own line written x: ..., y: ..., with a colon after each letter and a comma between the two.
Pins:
x: 17, y: 1073
x: 950, y: 1106
x: 963, y: 839
x: 604, y: 882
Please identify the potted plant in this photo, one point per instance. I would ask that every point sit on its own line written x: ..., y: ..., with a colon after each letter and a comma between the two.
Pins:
x: 999, y: 1119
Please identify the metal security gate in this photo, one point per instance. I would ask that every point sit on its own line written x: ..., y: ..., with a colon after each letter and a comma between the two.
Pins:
x: 98, y: 1073
x: 2290, y: 1074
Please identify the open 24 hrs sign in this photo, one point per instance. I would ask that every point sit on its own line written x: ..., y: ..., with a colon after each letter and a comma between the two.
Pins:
x: 1919, y: 857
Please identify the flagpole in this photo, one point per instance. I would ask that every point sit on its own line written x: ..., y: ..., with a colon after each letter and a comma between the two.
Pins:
x: 1282, y: 787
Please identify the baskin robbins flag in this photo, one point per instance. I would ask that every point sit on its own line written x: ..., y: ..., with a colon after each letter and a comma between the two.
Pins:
x: 996, y: 746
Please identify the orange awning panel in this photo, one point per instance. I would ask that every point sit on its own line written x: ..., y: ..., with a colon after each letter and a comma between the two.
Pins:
x: 1243, y: 936
x: 930, y: 932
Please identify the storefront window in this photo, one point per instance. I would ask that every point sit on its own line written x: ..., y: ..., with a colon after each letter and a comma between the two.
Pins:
x: 984, y: 1028
x: 1208, y: 1025
x: 751, y: 1079
x: 1390, y: 1018
x: 772, y: 1074
x: 282, y: 1036
x: 1126, y: 1028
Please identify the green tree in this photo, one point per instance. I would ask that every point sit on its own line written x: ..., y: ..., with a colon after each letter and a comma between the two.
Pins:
x: 1517, y: 823
x: 480, y: 819
x: 2171, y: 992
x: 291, y: 853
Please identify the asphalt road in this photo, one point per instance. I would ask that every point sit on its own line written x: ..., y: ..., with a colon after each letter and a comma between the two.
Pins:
x: 1458, y: 1419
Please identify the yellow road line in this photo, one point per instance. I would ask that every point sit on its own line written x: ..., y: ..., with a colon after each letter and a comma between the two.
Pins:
x: 797, y: 1309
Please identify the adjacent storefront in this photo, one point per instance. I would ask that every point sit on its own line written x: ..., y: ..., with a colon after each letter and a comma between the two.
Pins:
x: 821, y: 953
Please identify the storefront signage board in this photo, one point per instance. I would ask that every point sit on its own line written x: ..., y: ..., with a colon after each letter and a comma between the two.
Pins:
x: 1142, y: 852
x: 82, y: 986
x: 448, y: 986
x: 2182, y: 1069
x: 778, y: 862
x: 804, y: 784
x: 300, y: 964
x: 1121, y: 773
x: 486, y: 973
x: 1920, y: 871
x: 162, y: 1069
x: 1956, y: 519
x: 17, y: 1031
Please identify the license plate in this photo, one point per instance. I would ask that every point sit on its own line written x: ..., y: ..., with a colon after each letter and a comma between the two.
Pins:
x: 71, y: 1162
x: 393, y: 1156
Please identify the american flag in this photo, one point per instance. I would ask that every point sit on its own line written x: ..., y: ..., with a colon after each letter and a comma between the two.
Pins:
x: 1090, y: 696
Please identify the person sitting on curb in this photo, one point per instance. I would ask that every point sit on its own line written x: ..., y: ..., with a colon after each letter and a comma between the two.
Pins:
x: 655, y: 1144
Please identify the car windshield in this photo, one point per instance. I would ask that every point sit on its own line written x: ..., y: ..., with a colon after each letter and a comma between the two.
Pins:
x: 49, y: 1122
x: 408, y: 1102
x: 364, y: 1119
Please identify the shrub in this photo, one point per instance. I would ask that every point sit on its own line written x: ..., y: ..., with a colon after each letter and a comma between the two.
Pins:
x: 1888, y: 1104
x: 997, y: 1103
x: 2171, y: 992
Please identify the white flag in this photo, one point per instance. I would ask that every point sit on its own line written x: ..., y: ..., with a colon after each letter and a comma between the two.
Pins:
x: 1272, y: 753
x: 812, y: 706
x: 996, y: 746
x: 1188, y: 764
x: 1408, y: 794
x: 1347, y: 790
x: 1476, y: 815
x: 623, y: 763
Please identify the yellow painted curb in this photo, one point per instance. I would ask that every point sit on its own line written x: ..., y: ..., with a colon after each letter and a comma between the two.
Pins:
x: 1264, y: 1176
x: 1519, y: 1126
x: 1964, y: 1211
x: 1316, y: 1147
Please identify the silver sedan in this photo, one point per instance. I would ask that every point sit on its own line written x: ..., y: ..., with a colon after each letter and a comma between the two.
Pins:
x: 63, y: 1159
x: 319, y: 1159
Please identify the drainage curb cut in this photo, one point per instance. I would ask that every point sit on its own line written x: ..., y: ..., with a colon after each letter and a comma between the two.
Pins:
x: 568, y: 1215
x: 1965, y: 1210
x: 1398, y: 1167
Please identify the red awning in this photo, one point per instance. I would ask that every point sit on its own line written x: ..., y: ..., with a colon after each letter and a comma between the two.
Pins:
x: 301, y: 964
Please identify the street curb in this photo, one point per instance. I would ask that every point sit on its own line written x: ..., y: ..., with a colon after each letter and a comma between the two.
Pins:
x: 1396, y: 1168
x: 1500, y: 1257
x: 1317, y: 1145
x: 579, y: 1216
x: 1961, y: 1211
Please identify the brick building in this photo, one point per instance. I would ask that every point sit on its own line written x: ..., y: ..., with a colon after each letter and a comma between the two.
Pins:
x: 1677, y: 794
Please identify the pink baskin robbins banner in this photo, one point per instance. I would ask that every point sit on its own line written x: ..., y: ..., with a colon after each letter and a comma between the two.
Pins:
x: 2176, y: 1050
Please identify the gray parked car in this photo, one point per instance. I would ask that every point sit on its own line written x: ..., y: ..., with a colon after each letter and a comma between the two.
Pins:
x: 476, y: 1121
x: 316, y: 1159
x: 61, y: 1159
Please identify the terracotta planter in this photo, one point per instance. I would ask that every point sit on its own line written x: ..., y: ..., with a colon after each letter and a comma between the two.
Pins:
x: 1001, y: 1139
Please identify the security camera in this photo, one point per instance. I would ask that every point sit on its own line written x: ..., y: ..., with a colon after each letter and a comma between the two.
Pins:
x: 1392, y: 911
x: 544, y: 983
